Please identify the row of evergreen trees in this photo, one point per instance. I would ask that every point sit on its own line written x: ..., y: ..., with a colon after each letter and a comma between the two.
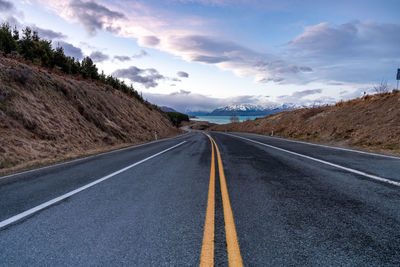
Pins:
x: 31, y: 47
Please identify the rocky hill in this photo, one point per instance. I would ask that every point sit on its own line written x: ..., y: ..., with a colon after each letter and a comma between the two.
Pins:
x: 370, y: 123
x: 47, y: 117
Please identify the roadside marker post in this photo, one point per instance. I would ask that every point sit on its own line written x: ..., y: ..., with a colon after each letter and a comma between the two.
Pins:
x: 398, y: 78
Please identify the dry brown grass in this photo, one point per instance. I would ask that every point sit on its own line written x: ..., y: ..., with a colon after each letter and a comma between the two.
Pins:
x: 46, y: 117
x: 370, y: 123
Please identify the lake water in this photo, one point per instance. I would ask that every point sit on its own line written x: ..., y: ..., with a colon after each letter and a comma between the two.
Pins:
x: 223, y: 119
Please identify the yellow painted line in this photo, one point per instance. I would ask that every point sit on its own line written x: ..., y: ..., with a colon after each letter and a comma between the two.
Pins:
x: 232, y: 243
x: 207, y: 249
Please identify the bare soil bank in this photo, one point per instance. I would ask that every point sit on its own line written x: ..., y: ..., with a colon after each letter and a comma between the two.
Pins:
x: 198, y: 125
x: 370, y: 123
x: 47, y: 117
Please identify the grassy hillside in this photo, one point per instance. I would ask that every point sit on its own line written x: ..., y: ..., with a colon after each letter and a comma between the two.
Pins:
x: 46, y: 117
x: 371, y: 123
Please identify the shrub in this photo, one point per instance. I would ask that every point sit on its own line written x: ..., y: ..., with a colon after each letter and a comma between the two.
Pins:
x: 22, y: 76
x: 382, y: 87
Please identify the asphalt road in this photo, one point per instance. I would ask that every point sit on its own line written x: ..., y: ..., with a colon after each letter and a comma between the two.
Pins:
x: 292, y: 204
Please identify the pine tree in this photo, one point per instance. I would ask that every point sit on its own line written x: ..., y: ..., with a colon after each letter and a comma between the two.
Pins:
x: 7, y: 42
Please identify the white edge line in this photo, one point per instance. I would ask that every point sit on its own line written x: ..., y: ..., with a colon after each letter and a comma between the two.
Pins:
x: 44, y: 205
x: 91, y: 156
x: 385, y: 180
x: 331, y: 147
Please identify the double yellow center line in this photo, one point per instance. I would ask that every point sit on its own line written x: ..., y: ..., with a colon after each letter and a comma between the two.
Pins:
x: 207, y: 250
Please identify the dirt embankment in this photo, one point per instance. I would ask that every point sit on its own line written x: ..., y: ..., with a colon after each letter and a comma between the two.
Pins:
x: 197, y: 125
x: 369, y: 123
x: 46, y: 117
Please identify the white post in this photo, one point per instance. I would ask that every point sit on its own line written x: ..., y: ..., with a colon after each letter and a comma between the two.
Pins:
x: 155, y: 135
x: 272, y: 133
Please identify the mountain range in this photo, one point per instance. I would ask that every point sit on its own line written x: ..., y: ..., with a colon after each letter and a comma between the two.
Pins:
x: 247, y: 110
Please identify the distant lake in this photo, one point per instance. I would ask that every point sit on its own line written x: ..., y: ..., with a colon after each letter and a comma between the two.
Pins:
x: 224, y: 119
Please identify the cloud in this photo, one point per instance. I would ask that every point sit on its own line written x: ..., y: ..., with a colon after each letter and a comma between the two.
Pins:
x: 147, y: 77
x: 298, y: 96
x: 359, y: 92
x: 48, y: 34
x: 12, y: 21
x: 98, y: 56
x: 247, y: 3
x: 142, y: 53
x: 231, y: 56
x: 323, y: 52
x: 182, y: 74
x: 6, y: 6
x: 43, y: 33
x: 207, y: 2
x: 350, y: 52
x: 353, y: 39
x: 149, y: 41
x: 209, y: 59
x: 181, y: 92
x: 180, y: 36
x: 323, y: 38
x: 94, y: 16
x: 185, y: 101
x: 304, y: 93
x: 122, y: 58
x: 113, y: 30
x: 70, y: 50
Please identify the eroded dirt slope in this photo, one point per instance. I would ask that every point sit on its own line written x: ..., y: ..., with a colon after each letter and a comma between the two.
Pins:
x: 46, y: 117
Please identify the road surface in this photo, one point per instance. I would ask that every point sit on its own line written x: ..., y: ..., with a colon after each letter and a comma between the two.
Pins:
x: 262, y: 201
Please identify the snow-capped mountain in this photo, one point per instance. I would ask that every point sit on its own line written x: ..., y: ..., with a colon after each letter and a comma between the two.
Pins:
x: 252, y: 110
x: 241, y: 107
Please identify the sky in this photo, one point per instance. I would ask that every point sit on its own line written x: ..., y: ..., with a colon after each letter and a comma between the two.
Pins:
x: 195, y: 55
